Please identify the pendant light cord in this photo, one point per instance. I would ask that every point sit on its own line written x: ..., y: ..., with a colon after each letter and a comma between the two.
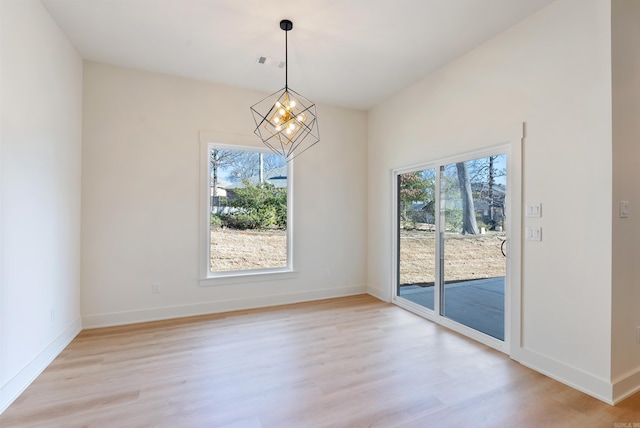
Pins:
x: 286, y: 60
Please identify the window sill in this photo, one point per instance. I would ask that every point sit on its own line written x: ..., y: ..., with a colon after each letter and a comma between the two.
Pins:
x: 247, y: 277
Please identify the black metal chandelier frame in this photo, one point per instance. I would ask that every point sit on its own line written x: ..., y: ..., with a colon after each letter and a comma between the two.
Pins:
x: 289, y: 126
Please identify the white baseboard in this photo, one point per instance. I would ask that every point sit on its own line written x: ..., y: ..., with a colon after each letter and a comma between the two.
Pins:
x: 169, y: 312
x: 16, y: 385
x: 378, y: 294
x: 626, y: 385
x: 589, y: 384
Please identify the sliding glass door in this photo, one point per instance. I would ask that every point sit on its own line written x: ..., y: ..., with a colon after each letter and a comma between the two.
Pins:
x: 451, y: 242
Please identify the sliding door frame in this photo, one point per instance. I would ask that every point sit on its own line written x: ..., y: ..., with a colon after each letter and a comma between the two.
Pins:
x: 513, y: 235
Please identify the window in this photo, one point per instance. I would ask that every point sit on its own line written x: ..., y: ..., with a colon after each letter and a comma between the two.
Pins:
x: 247, y: 208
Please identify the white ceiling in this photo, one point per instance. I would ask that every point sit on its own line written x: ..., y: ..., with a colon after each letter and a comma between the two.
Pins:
x: 352, y: 53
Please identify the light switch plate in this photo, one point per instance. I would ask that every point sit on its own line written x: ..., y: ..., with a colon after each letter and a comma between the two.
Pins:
x: 533, y: 234
x: 624, y: 209
x: 534, y: 210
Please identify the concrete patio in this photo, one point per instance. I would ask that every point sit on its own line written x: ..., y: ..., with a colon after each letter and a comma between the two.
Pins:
x: 478, y: 304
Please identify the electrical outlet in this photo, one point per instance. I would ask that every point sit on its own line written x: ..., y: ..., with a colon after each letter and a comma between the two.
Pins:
x: 155, y: 287
x: 327, y: 273
x: 53, y: 314
x: 638, y: 335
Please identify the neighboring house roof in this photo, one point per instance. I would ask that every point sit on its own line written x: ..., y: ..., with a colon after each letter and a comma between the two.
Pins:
x: 220, y: 188
x: 276, y: 176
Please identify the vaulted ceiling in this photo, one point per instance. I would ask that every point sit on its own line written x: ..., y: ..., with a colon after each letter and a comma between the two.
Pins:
x: 352, y: 53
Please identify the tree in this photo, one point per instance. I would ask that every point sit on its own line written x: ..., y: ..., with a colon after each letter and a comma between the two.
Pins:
x: 253, y: 164
x: 218, y: 159
x: 416, y: 186
x: 492, y: 182
x: 483, y: 174
x: 469, y: 224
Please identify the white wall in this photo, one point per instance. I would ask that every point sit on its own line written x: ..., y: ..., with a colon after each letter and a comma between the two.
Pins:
x: 40, y: 194
x: 140, y: 215
x: 626, y: 186
x: 553, y: 72
x: 140, y: 218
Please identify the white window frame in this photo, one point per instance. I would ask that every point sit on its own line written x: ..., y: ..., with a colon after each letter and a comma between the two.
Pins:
x: 209, y: 140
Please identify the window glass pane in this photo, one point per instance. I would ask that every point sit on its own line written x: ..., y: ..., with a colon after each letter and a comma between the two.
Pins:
x: 248, y: 210
x: 474, y: 269
x: 417, y: 236
x: 472, y: 198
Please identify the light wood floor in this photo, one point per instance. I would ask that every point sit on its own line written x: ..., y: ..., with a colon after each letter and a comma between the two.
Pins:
x: 350, y: 362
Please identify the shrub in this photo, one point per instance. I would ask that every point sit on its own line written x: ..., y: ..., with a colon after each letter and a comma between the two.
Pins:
x: 216, y: 221
x: 409, y: 225
x: 240, y: 220
x: 259, y: 206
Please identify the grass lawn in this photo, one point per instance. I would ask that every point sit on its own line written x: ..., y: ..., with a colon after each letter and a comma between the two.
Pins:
x: 247, y: 249
x: 467, y: 257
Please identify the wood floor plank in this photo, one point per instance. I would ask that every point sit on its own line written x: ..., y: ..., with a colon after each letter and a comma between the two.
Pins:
x: 349, y: 362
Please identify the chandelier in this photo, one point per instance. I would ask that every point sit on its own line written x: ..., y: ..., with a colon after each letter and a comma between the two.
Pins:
x: 286, y: 122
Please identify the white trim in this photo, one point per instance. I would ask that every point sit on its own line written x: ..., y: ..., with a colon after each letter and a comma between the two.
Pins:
x: 511, y: 146
x: 218, y: 306
x: 577, y: 379
x: 16, y: 385
x: 247, y: 277
x: 625, y: 386
x: 415, y: 308
x: 377, y: 293
x: 515, y: 174
x: 394, y: 244
x: 240, y: 142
